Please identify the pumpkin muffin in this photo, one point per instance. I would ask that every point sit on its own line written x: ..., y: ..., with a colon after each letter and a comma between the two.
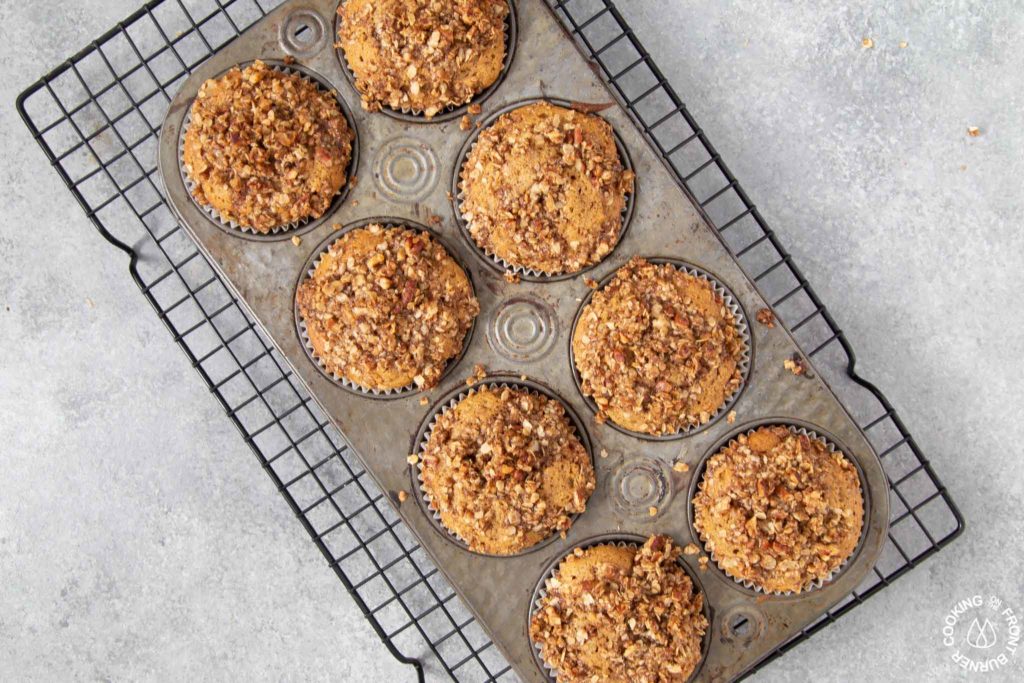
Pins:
x: 779, y: 510
x: 504, y: 469
x: 386, y: 308
x: 544, y: 189
x: 422, y: 55
x: 657, y: 349
x: 265, y: 148
x: 621, y: 614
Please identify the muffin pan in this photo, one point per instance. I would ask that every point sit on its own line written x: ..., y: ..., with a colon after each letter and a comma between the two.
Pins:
x: 405, y: 172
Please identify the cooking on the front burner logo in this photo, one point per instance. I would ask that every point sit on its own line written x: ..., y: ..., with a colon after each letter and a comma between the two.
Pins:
x: 983, y: 633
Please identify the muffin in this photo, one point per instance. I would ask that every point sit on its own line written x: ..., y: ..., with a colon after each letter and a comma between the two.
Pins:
x: 422, y: 55
x: 265, y: 148
x: 778, y: 510
x: 621, y: 614
x: 657, y: 349
x: 504, y: 470
x: 544, y: 189
x: 386, y: 308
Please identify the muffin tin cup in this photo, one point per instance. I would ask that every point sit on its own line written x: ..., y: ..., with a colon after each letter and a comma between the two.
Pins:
x: 742, y: 327
x: 748, y: 585
x: 453, y: 399
x: 410, y: 115
x: 497, y: 262
x: 295, y: 227
x: 623, y: 541
x: 388, y: 223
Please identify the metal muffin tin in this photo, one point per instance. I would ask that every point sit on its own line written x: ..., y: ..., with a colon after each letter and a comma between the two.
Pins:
x: 405, y: 171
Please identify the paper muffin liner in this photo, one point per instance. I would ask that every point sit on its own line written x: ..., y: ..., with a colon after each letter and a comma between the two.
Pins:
x: 309, y: 269
x: 742, y: 327
x: 455, y: 399
x: 814, y: 585
x: 622, y: 541
x: 452, y: 111
x: 458, y: 193
x: 279, y: 231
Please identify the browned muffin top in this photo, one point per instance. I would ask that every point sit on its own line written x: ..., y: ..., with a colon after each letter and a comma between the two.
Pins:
x: 387, y: 307
x: 266, y: 148
x: 657, y: 349
x: 544, y: 188
x: 505, y: 470
x: 422, y: 55
x: 621, y: 614
x: 779, y: 510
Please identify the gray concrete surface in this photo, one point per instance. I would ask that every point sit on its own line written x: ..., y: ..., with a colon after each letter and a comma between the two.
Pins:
x: 140, y: 540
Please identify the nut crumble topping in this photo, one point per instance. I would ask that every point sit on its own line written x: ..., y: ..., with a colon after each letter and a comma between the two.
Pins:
x: 622, y: 614
x: 544, y: 188
x: 766, y: 318
x: 387, y: 307
x: 657, y: 349
x: 795, y: 364
x: 266, y: 148
x: 505, y: 470
x: 779, y: 509
x: 422, y: 55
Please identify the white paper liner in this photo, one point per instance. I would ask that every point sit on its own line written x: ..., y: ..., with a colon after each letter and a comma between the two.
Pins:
x: 742, y: 327
x: 307, y: 344
x: 540, y: 592
x: 215, y: 215
x: 440, y: 410
x: 814, y: 585
x: 626, y: 213
x: 452, y: 111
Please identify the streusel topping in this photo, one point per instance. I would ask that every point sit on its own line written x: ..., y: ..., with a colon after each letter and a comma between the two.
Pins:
x: 544, y: 188
x: 779, y: 510
x: 266, y: 148
x: 657, y: 349
x: 621, y: 614
x: 387, y: 307
x: 422, y: 55
x: 504, y: 469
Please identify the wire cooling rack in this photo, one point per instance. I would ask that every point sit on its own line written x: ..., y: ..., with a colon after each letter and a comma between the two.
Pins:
x: 97, y: 117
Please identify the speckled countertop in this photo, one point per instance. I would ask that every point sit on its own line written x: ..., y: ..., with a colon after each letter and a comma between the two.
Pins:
x: 140, y: 540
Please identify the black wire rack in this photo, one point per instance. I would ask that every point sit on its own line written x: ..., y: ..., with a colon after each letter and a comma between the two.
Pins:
x: 97, y: 117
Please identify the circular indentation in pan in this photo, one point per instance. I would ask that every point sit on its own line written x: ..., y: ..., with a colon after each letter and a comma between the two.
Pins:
x: 523, y: 329
x: 303, y: 33
x: 797, y: 427
x: 742, y: 327
x: 405, y: 169
x: 309, y: 267
x: 413, y: 116
x: 299, y: 227
x: 452, y: 399
x: 742, y: 625
x: 639, y: 484
x: 494, y: 260
x: 625, y: 540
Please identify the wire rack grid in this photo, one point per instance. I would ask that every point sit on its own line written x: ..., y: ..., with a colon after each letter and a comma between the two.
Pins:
x: 97, y: 117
